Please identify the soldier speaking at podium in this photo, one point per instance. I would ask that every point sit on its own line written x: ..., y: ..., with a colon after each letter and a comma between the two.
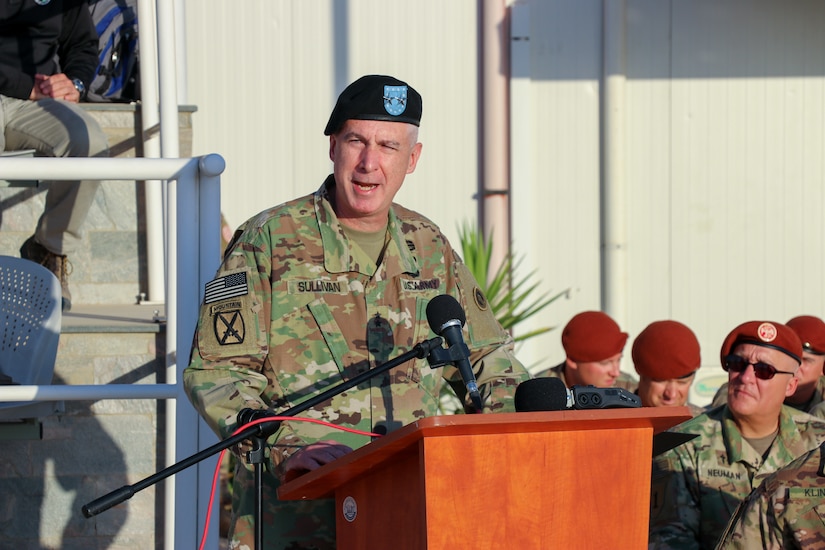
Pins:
x: 321, y: 288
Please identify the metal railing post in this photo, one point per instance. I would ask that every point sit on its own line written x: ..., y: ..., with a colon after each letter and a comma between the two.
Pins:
x: 193, y: 256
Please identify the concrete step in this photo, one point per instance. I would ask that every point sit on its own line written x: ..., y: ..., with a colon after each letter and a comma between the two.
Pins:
x: 93, y: 448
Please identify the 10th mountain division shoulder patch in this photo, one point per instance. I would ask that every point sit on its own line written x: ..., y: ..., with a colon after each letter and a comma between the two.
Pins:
x: 226, y: 294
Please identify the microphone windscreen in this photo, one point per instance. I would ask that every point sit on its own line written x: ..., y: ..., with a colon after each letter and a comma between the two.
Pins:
x: 541, y: 394
x: 444, y: 308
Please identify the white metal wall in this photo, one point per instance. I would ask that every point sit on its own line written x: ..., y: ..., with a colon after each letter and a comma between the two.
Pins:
x: 555, y: 106
x: 725, y: 127
x: 738, y: 163
x: 264, y: 75
x: 725, y: 115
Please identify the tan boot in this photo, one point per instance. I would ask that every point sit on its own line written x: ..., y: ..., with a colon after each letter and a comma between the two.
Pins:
x: 59, y: 265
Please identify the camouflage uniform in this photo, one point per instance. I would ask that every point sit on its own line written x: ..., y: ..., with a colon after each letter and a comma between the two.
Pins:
x: 787, y: 511
x: 624, y: 380
x: 695, y: 410
x: 697, y: 486
x: 818, y: 410
x: 810, y: 407
x: 296, y: 308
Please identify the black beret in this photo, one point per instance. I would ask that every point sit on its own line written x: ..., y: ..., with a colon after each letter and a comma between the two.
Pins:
x: 376, y: 97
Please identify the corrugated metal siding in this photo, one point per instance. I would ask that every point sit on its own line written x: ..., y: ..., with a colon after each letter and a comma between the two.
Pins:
x: 758, y: 99
x: 724, y: 164
x: 562, y: 200
x: 725, y: 114
x: 265, y: 74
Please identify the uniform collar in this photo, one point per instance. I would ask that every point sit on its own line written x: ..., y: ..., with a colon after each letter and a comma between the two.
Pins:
x: 782, y: 448
x: 337, y: 254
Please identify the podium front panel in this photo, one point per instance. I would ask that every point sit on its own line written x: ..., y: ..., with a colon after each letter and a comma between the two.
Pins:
x: 525, y: 490
x: 578, y: 479
x: 539, y: 490
x: 384, y: 506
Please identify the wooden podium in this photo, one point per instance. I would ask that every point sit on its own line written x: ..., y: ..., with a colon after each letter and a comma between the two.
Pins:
x: 561, y: 479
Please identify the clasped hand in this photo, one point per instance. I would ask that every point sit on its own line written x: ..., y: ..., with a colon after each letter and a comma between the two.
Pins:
x: 56, y: 86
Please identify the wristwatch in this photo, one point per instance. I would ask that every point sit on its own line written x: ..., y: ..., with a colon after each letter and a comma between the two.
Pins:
x: 78, y: 84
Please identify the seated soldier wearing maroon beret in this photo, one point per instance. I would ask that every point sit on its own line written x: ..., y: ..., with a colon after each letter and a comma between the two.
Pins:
x: 697, y: 485
x: 810, y: 393
x: 593, y: 343
x: 666, y: 357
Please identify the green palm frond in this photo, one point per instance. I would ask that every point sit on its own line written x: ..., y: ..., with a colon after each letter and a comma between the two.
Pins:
x: 512, y: 299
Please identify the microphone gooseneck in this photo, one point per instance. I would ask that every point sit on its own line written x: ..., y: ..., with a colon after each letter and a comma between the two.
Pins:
x: 446, y: 318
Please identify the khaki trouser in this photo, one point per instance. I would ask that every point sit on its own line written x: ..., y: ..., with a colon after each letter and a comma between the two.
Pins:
x: 55, y: 128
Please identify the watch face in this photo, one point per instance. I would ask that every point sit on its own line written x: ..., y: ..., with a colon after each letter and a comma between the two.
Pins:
x: 78, y: 84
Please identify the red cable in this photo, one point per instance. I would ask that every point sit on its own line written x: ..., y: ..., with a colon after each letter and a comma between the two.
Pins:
x: 217, y: 474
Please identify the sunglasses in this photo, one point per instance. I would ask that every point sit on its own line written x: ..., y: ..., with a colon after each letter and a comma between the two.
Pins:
x: 763, y: 371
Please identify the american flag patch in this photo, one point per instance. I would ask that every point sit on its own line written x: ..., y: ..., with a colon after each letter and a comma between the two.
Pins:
x: 225, y: 287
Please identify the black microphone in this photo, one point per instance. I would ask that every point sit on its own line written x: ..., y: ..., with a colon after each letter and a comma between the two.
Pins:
x: 446, y: 317
x: 541, y: 394
x: 550, y: 394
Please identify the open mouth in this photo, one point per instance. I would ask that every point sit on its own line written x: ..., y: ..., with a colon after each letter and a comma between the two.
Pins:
x: 365, y: 186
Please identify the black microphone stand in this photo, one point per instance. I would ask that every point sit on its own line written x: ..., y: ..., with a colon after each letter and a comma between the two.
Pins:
x: 450, y: 356
x: 258, y: 435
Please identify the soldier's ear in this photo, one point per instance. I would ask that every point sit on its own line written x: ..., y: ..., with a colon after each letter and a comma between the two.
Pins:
x: 790, y: 389
x: 415, y: 154
x: 332, y: 148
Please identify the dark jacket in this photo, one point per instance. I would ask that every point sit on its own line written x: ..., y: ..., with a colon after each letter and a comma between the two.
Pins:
x: 57, y: 36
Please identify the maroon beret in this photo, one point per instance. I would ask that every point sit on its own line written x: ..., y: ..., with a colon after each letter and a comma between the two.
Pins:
x: 592, y: 336
x: 766, y: 334
x: 811, y: 330
x: 666, y: 350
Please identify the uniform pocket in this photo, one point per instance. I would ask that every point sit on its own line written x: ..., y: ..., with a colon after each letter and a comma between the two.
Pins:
x: 307, y: 351
x: 420, y: 371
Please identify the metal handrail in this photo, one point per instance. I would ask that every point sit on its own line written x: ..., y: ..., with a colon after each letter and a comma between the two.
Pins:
x: 87, y: 392
x: 192, y: 187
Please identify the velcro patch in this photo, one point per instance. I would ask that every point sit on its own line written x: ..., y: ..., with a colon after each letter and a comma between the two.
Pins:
x: 229, y: 326
x: 228, y: 286
x: 419, y: 285
x: 806, y: 492
x: 318, y: 286
x: 229, y: 323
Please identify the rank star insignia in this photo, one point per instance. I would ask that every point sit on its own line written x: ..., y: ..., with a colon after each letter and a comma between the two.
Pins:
x: 229, y: 328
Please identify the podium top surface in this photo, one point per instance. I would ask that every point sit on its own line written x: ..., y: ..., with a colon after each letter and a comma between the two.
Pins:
x: 321, y: 482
